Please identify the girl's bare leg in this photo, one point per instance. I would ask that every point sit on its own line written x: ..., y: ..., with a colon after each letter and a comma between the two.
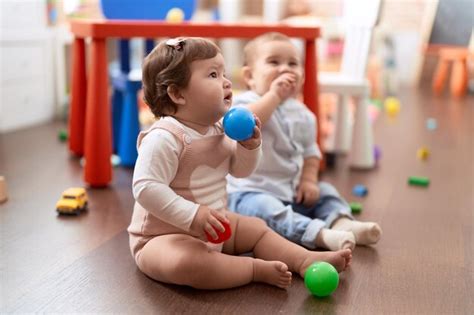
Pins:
x: 183, y: 259
x: 252, y: 234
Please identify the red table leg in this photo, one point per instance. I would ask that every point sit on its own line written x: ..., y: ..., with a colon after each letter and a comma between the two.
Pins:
x: 78, y: 98
x: 98, y: 135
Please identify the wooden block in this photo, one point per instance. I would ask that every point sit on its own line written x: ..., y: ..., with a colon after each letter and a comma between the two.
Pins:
x: 3, y: 189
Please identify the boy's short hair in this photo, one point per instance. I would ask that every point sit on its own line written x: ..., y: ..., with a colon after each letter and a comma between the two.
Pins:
x: 251, y: 47
x: 169, y: 65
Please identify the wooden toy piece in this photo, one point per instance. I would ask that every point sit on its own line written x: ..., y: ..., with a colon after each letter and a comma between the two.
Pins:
x: 356, y: 207
x: 431, y: 124
x: 423, y: 153
x: 3, y: 190
x: 360, y: 190
x: 392, y: 106
x: 418, y: 181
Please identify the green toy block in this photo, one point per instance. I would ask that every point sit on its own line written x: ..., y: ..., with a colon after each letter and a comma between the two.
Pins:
x: 418, y: 181
x: 356, y: 207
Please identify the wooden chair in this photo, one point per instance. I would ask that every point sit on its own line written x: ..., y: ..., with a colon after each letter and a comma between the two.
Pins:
x: 360, y: 18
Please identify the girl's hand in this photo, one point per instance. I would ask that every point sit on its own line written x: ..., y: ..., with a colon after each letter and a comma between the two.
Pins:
x: 206, y: 220
x: 256, y: 139
x: 284, y: 86
x: 307, y: 194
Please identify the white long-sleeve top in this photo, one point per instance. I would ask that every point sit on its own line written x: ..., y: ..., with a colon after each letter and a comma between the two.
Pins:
x: 179, y: 169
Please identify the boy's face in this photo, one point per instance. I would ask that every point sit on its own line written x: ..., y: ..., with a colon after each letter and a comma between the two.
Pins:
x: 209, y: 93
x: 272, y: 59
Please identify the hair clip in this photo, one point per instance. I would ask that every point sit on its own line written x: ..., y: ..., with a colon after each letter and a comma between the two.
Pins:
x: 176, y: 43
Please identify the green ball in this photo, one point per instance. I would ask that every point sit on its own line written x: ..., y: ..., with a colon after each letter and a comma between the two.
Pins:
x: 321, y: 279
x: 62, y: 135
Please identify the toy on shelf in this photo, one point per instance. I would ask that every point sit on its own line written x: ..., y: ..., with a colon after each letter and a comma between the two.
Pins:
x: 221, y: 236
x: 3, y: 190
x: 431, y: 124
x: 239, y: 123
x: 360, y: 190
x: 321, y: 279
x: 392, y: 106
x: 418, y: 181
x: 73, y: 201
x: 423, y: 153
x: 356, y: 207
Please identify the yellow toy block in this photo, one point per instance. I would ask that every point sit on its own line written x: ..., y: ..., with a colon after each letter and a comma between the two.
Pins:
x: 423, y: 153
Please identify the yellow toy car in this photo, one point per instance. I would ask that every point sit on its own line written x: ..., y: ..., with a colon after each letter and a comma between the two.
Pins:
x: 73, y: 201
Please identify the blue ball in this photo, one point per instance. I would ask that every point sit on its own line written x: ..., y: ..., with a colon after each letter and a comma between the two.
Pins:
x: 239, y: 123
x: 360, y: 190
x: 431, y: 124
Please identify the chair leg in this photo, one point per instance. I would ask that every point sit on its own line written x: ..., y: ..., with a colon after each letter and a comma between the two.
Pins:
x: 130, y: 126
x: 440, y: 76
x: 459, y: 78
x: 361, y: 153
x: 342, y: 132
x: 117, y: 108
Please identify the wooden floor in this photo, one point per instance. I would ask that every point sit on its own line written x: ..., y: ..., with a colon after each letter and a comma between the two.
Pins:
x: 422, y: 265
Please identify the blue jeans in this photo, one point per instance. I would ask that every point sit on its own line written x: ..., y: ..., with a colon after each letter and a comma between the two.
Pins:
x: 296, y: 222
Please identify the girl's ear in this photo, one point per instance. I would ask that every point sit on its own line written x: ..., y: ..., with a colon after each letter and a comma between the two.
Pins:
x: 247, y: 76
x: 175, y: 95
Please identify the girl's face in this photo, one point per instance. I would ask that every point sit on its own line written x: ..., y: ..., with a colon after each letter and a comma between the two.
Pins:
x: 271, y: 60
x: 208, y: 95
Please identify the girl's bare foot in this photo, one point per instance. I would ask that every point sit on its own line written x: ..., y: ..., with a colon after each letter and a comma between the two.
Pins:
x: 272, y: 272
x: 340, y: 259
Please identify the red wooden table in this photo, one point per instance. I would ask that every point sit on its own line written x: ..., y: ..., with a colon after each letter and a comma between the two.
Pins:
x: 90, y: 127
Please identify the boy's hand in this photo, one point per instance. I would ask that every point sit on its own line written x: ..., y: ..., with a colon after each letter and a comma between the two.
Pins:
x: 308, y: 193
x: 284, y: 85
x: 205, y: 220
x: 256, y: 139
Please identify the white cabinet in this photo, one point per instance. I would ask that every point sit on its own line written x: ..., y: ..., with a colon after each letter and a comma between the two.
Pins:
x: 26, y: 60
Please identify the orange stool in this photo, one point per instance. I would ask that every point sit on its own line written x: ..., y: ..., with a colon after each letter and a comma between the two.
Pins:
x: 459, y: 72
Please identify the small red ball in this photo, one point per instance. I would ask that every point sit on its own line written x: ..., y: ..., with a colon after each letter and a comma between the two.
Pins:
x: 221, y: 236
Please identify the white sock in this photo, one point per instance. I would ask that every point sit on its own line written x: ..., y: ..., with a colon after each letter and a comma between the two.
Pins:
x: 335, y: 240
x: 365, y: 233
